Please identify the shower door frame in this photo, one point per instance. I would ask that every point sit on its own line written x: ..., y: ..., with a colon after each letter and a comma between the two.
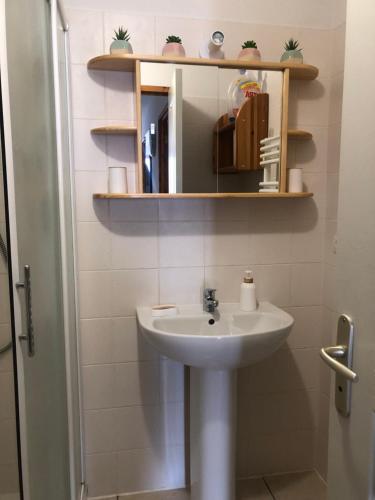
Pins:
x: 57, y: 12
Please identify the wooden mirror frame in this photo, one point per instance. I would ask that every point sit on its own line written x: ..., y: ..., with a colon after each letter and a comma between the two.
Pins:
x: 132, y: 63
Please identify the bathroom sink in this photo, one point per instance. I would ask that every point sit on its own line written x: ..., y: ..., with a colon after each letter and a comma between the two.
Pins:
x: 226, y: 339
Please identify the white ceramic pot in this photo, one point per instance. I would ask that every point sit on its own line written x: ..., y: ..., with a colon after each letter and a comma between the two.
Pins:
x: 249, y: 54
x: 293, y: 56
x: 173, y: 49
x: 121, y: 47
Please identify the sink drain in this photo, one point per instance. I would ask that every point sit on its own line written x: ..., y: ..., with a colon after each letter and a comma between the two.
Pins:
x: 211, y: 321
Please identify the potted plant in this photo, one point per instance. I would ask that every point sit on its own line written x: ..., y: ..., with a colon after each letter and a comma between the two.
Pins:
x: 120, y: 44
x: 173, y: 46
x: 249, y: 51
x: 292, y: 52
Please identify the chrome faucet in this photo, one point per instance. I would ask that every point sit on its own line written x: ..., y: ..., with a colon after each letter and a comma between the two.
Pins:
x: 209, y: 301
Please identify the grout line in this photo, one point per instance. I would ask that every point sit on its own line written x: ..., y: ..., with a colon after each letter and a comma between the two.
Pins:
x: 268, y: 488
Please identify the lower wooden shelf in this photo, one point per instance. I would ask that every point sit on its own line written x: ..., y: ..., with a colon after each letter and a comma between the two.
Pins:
x: 121, y: 196
x: 115, y: 130
x: 299, y: 135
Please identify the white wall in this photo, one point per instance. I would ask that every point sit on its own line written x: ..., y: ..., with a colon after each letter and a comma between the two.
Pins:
x: 302, y: 13
x: 144, y: 252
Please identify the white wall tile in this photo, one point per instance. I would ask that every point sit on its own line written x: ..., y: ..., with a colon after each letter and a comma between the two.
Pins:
x: 98, y: 386
x: 133, y: 210
x: 140, y: 470
x: 313, y: 102
x: 227, y: 243
x: 86, y: 184
x: 307, y: 329
x: 87, y: 92
x: 306, y: 285
x: 94, y: 294
x: 89, y: 149
x: 181, y: 244
x: 307, y: 241
x: 119, y: 96
x: 101, y: 469
x: 121, y: 151
x: 181, y: 210
x: 312, y: 155
x: 273, y: 283
x: 128, y: 342
x: 100, y: 431
x: 138, y: 427
x: 181, y: 285
x: 133, y: 288
x: 271, y: 242
x: 227, y: 281
x: 134, y: 245
x: 136, y: 383
x: 94, y: 248
x: 88, y: 42
x: 227, y: 209
x: 96, y: 341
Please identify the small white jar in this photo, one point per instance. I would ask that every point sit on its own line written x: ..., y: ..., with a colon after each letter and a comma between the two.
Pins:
x: 295, y: 183
x: 117, y: 181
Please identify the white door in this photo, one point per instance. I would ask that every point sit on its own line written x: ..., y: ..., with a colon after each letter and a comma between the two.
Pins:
x: 175, y: 103
x: 352, y: 439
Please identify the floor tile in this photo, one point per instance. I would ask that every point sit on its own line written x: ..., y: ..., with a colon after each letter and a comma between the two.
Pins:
x: 159, y: 495
x: 297, y: 486
x: 252, y: 489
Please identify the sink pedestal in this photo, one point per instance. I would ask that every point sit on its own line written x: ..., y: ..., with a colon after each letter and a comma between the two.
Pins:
x: 212, y: 433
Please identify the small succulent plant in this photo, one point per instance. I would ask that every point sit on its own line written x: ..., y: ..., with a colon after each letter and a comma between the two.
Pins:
x: 173, y: 39
x: 121, y: 34
x: 249, y: 44
x: 292, y: 44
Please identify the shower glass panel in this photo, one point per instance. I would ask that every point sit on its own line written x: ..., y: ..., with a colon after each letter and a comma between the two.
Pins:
x: 42, y: 226
x: 9, y: 481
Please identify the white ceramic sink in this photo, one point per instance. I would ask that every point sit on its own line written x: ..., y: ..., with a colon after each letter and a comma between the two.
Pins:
x: 214, y: 345
x: 227, y: 339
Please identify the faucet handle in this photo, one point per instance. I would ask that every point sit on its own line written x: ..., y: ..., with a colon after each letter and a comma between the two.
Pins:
x: 209, y: 293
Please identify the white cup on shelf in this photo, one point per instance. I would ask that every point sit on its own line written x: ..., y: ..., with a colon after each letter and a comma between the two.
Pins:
x: 295, y: 184
x: 117, y: 180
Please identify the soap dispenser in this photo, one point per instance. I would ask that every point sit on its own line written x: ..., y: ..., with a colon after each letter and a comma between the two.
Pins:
x: 248, y: 300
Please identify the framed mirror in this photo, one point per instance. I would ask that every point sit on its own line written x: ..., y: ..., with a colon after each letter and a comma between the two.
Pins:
x: 208, y: 129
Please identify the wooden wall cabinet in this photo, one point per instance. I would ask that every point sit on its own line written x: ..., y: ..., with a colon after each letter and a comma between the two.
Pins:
x: 235, y: 152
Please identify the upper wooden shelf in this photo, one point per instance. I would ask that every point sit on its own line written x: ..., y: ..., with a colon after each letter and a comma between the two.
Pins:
x: 115, y: 130
x: 127, y: 62
x: 122, y: 196
x: 299, y: 135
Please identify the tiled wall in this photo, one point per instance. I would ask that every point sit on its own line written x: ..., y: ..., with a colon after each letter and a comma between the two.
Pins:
x: 143, y: 252
x: 8, y: 447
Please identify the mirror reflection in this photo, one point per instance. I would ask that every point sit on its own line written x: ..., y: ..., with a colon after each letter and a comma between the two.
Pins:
x: 207, y: 129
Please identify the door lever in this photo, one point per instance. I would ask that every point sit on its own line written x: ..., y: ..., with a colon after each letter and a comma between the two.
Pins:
x: 29, y: 336
x: 340, y: 357
x: 330, y: 355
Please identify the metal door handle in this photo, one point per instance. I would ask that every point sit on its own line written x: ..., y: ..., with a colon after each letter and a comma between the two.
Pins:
x: 330, y: 355
x: 29, y: 336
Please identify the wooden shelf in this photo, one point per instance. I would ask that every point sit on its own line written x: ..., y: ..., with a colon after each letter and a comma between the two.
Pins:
x: 107, y: 196
x: 115, y: 130
x: 299, y: 135
x: 127, y: 62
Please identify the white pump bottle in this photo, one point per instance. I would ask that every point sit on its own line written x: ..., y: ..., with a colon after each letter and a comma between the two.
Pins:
x: 248, y: 300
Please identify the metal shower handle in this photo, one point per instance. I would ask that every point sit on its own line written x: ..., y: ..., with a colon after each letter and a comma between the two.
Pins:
x: 29, y: 336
